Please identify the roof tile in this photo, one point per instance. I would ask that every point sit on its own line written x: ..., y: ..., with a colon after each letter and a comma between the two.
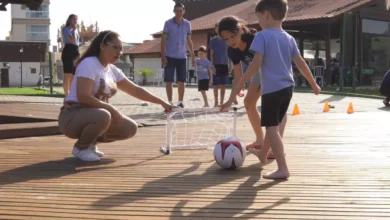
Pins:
x: 153, y: 46
x: 298, y: 10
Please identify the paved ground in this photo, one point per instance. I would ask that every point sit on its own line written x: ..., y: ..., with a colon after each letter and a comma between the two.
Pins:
x: 152, y: 114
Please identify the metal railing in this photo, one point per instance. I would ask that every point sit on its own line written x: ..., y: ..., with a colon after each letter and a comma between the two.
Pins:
x: 37, y: 14
x: 41, y: 36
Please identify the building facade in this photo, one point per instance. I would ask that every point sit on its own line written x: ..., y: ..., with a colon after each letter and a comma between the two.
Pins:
x: 20, y: 62
x: 31, y: 25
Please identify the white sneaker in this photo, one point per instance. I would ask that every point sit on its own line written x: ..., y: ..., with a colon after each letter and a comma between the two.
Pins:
x: 85, y: 155
x: 95, y: 149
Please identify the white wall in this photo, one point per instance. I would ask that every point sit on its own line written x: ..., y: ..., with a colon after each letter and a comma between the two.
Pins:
x: 148, y: 63
x: 19, y: 32
x: 154, y: 64
x: 17, y: 12
x: 28, y: 78
x: 46, y: 71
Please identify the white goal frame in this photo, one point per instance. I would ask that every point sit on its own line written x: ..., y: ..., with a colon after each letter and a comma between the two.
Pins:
x: 167, y: 149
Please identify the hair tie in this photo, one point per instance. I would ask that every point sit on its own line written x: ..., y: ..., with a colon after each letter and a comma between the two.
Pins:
x: 106, y: 36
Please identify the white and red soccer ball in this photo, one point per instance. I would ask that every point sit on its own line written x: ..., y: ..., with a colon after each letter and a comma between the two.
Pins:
x: 229, y: 153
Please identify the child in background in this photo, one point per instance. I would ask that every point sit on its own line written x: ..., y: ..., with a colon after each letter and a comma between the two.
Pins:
x: 221, y: 63
x: 204, y: 73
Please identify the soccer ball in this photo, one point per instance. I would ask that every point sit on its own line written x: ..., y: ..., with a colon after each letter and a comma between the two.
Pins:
x: 229, y: 153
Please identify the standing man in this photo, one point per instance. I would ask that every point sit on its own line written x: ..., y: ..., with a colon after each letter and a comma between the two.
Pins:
x: 175, y: 40
x: 219, y: 61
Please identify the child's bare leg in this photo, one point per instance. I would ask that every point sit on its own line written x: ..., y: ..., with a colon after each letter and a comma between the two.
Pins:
x: 282, y: 125
x: 250, y: 103
x: 206, y: 103
x: 223, y: 89
x: 263, y: 153
x: 278, y: 150
x: 216, y: 87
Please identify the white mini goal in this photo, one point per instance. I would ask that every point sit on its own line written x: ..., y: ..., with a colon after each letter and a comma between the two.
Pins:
x: 189, y: 128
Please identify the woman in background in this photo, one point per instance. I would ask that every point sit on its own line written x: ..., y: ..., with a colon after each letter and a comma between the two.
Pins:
x: 70, y: 52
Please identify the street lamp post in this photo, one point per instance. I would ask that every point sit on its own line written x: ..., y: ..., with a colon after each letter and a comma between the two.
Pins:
x: 39, y: 48
x: 21, y: 67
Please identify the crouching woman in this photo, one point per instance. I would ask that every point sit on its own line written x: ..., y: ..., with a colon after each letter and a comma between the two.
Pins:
x: 87, y: 114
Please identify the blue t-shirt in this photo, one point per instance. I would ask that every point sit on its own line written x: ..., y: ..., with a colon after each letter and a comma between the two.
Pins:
x: 220, y: 51
x: 177, y: 38
x: 202, y: 69
x: 68, y: 32
x: 278, y: 48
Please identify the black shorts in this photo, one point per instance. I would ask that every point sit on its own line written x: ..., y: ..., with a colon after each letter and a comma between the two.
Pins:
x: 274, y: 106
x: 221, y: 70
x: 203, y: 85
x: 69, y: 54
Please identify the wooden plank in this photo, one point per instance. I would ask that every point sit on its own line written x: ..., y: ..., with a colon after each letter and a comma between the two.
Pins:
x: 19, y: 130
x: 338, y: 162
x: 184, y: 212
x: 35, y: 110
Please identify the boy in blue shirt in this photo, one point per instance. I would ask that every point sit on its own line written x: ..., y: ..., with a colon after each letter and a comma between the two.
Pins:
x: 204, y: 73
x: 274, y: 50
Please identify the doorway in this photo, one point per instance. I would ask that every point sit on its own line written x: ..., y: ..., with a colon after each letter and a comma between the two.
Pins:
x: 4, y: 78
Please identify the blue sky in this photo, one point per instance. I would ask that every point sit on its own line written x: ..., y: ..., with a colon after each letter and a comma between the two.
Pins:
x: 133, y: 20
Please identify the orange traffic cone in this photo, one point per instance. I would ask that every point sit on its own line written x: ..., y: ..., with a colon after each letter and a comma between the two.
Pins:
x: 326, y: 106
x: 350, y: 108
x: 296, y: 110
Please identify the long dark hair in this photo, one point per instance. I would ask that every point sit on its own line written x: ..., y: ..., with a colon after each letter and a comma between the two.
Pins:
x: 94, y: 48
x: 70, y: 17
x: 233, y: 24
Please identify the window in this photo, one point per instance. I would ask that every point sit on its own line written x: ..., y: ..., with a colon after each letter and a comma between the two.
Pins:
x: 44, y: 8
x: 376, y: 51
x: 41, y: 13
x: 39, y: 28
x: 376, y: 27
x: 33, y: 70
x: 38, y: 32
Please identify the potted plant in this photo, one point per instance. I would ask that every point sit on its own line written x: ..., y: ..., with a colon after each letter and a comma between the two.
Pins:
x: 145, y: 73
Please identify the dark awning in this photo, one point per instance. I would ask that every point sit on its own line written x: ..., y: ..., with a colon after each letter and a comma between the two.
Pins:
x: 31, y: 4
x: 32, y: 51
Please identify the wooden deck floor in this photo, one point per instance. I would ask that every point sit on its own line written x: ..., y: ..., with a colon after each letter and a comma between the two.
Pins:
x: 339, y: 170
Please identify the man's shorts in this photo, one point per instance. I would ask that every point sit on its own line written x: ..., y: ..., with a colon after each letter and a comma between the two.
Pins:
x: 180, y: 65
x: 221, y: 76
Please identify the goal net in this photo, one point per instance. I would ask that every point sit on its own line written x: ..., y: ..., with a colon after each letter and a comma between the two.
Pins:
x: 189, y: 128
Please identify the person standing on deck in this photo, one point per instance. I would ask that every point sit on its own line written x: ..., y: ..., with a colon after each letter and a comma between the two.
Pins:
x: 176, y: 36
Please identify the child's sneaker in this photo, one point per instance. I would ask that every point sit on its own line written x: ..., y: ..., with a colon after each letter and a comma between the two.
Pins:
x: 181, y: 105
x: 85, y: 155
x: 95, y: 149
